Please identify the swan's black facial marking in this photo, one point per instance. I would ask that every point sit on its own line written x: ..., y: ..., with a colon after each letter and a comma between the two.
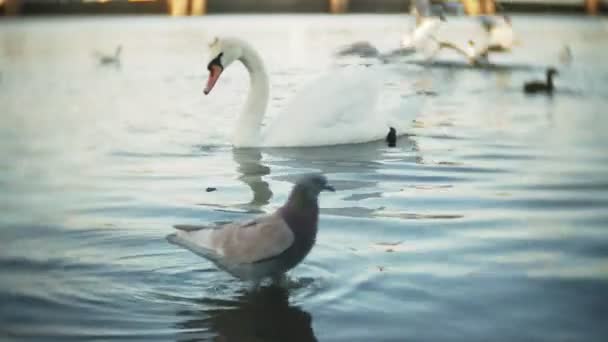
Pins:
x: 216, y: 61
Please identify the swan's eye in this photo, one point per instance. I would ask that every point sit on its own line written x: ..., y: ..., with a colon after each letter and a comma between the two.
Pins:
x: 216, y: 61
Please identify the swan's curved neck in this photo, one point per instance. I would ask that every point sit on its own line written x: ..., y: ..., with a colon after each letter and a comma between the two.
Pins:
x: 247, y: 132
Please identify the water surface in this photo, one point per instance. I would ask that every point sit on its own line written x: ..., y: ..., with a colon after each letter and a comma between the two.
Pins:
x: 486, y: 222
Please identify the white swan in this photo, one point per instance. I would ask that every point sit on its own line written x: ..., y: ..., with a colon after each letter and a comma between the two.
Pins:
x: 338, y: 109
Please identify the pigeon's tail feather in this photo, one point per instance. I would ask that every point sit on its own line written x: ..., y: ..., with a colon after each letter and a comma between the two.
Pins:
x: 172, y: 238
x: 189, y: 227
x: 194, y: 238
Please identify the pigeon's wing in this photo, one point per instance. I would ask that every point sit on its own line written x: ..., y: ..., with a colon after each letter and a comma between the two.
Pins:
x: 244, y: 242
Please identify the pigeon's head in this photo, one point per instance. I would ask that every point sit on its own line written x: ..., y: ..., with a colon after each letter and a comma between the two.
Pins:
x: 312, y: 185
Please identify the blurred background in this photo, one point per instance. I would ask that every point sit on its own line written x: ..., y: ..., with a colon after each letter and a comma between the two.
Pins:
x: 200, y: 7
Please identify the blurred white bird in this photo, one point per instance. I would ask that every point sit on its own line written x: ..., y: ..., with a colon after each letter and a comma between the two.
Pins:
x: 475, y: 54
x: 499, y: 32
x: 428, y: 20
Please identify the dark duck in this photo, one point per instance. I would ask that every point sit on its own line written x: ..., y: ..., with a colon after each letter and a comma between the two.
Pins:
x: 391, y: 137
x: 534, y: 87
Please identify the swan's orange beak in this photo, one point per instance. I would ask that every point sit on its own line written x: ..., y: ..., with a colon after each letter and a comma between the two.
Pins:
x: 214, y: 74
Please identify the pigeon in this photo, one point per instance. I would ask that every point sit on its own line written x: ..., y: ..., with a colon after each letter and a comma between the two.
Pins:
x: 266, y: 246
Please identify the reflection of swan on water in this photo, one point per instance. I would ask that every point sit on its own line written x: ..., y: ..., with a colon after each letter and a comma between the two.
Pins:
x: 251, y: 170
x: 321, y: 116
x: 261, y: 315
x: 353, y: 159
x: 353, y: 162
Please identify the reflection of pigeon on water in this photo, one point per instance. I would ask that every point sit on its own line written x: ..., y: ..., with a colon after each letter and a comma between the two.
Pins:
x: 264, y: 314
x: 267, y: 246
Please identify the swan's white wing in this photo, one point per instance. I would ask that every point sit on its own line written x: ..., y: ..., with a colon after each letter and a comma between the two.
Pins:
x: 262, y: 238
x: 456, y: 48
x: 422, y: 39
x: 347, y: 106
x: 338, y: 108
x: 423, y: 33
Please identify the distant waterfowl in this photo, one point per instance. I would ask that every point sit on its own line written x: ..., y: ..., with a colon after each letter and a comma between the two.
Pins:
x: 428, y: 20
x: 539, y: 86
x: 361, y: 49
x: 499, y: 29
x: 109, y: 59
x: 335, y: 120
x: 391, y: 137
x: 565, y: 55
x: 365, y: 49
x: 476, y: 56
x: 419, y: 40
x: 267, y: 246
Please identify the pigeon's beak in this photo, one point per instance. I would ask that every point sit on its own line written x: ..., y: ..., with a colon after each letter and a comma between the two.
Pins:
x: 329, y: 188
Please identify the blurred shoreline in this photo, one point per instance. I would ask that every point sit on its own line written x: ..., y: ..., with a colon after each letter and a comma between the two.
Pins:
x: 37, y: 7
